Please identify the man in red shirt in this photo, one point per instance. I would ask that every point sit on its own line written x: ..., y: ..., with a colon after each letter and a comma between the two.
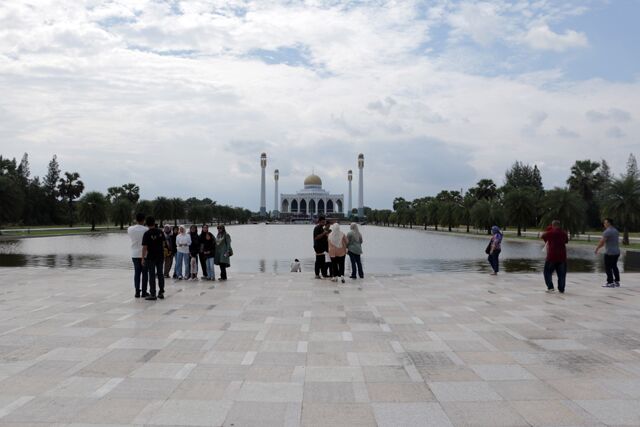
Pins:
x: 556, y: 239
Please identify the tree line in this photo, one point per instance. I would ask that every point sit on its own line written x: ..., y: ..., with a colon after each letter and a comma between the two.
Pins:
x: 591, y: 192
x: 58, y: 199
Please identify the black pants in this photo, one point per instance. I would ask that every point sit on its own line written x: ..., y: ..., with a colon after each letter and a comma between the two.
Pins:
x: 203, y: 264
x: 155, y: 268
x: 493, y: 260
x: 139, y: 271
x: 561, y: 270
x: 611, y: 268
x: 319, y: 266
x: 356, y: 265
x: 337, y: 265
x: 223, y: 270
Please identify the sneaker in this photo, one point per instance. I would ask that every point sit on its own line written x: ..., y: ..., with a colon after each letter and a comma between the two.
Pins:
x: 137, y: 294
x: 318, y: 277
x: 616, y: 284
x: 342, y: 279
x: 608, y: 285
x: 352, y: 277
x: 204, y: 277
x: 550, y: 291
x: 161, y: 295
x: 151, y: 298
x: 145, y: 294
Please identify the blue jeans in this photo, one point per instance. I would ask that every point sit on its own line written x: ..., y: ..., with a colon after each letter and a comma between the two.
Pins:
x: 139, y: 270
x: 356, y: 264
x: 493, y: 260
x: 155, y: 267
x: 561, y: 270
x: 182, y: 259
x: 210, y: 272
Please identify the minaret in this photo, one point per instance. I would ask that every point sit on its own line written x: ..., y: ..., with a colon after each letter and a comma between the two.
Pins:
x: 263, y: 188
x: 276, y: 176
x: 350, y: 203
x: 360, y: 186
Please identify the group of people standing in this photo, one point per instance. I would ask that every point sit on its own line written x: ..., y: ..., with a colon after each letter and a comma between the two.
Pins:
x: 329, y: 241
x: 556, y: 240
x: 154, y: 251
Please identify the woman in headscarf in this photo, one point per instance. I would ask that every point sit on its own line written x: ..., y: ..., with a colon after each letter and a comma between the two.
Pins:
x: 223, y: 251
x: 169, y: 250
x: 337, y: 251
x: 174, y: 248
x: 494, y: 249
x: 354, y: 246
x: 183, y: 241
x: 208, y: 243
x: 194, y: 250
x: 203, y: 258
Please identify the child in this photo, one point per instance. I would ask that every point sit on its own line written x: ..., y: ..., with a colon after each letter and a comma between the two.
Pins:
x: 295, y: 266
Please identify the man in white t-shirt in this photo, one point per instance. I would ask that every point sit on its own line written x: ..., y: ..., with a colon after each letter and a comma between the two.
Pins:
x: 135, y: 233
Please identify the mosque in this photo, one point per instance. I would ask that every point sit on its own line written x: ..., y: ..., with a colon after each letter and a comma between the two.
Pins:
x: 312, y: 200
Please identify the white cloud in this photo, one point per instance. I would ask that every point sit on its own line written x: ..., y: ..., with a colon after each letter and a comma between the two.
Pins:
x: 180, y: 103
x: 543, y: 38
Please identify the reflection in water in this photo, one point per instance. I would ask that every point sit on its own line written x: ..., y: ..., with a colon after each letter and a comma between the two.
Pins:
x: 262, y: 248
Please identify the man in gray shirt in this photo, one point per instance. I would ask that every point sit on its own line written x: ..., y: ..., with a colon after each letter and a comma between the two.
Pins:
x: 610, y: 240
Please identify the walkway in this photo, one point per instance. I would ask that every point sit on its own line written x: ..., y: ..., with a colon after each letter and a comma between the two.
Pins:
x: 261, y: 350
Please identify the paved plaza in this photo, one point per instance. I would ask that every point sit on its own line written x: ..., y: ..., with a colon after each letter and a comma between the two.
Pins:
x: 285, y: 350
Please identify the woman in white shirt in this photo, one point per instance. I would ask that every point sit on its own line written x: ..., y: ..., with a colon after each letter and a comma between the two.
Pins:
x: 183, y: 241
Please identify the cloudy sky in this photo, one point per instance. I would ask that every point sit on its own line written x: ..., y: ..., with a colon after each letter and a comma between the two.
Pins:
x: 181, y: 97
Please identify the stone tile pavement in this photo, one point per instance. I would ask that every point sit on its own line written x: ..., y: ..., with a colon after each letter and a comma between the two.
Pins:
x: 76, y: 349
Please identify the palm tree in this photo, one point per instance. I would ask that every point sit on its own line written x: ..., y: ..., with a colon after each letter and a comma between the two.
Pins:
x: 433, y: 212
x: 132, y: 192
x: 622, y: 202
x: 93, y: 208
x: 485, y: 189
x: 584, y: 178
x: 162, y: 208
x: 587, y: 180
x: 70, y: 188
x: 481, y: 215
x: 465, y: 208
x: 178, y: 209
x: 567, y: 207
x: 144, y: 206
x: 121, y: 212
x: 520, y: 206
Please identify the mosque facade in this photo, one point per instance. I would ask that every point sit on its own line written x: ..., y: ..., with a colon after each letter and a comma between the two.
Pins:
x: 312, y: 200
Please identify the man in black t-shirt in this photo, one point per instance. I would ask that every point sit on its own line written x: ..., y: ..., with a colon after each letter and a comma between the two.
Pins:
x: 320, y: 246
x: 153, y: 244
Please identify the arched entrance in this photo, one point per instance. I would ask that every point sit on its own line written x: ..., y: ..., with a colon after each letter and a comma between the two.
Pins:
x: 303, y: 206
x: 339, y: 205
x: 329, y: 206
x: 321, y: 206
x: 312, y: 206
x: 285, y: 206
x: 294, y: 206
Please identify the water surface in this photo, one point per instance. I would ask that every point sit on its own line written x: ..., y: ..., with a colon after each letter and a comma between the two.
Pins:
x: 271, y: 248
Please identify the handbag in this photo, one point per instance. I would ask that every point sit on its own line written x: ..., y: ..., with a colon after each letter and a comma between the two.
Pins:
x: 488, y: 249
x: 230, y: 251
